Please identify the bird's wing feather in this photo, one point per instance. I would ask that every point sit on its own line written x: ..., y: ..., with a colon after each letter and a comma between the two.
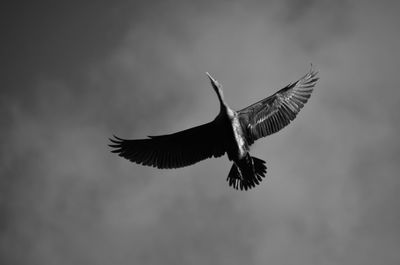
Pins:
x: 273, y: 113
x: 175, y: 150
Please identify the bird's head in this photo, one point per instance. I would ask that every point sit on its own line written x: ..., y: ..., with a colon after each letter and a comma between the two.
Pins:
x: 217, y: 86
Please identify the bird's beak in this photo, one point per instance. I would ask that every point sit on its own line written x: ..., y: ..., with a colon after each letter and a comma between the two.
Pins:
x: 213, y: 81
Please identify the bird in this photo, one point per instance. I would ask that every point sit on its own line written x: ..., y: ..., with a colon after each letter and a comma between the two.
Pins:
x: 231, y: 132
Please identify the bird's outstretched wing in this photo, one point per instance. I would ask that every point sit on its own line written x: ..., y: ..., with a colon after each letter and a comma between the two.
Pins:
x: 271, y: 114
x: 175, y: 150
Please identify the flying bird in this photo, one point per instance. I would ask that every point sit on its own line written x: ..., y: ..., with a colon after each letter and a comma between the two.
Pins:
x: 231, y: 132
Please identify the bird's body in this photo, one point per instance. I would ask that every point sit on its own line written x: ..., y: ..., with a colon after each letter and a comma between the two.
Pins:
x: 231, y: 132
x: 232, y: 135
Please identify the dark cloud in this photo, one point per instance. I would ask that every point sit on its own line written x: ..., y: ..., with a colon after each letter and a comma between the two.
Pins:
x: 75, y: 74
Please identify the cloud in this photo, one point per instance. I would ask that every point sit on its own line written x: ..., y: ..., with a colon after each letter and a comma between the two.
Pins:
x: 330, y: 194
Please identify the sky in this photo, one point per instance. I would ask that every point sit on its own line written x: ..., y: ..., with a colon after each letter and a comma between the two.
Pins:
x: 75, y: 73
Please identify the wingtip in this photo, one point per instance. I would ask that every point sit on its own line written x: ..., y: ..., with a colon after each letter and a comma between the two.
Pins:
x: 116, y: 140
x: 312, y: 70
x: 116, y: 137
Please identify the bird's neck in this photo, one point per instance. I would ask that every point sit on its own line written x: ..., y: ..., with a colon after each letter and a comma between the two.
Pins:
x: 222, y: 103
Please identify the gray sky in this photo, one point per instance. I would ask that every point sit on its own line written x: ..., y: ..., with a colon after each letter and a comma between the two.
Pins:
x: 74, y: 74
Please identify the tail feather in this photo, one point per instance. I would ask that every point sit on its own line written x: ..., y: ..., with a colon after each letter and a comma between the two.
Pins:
x: 247, y: 173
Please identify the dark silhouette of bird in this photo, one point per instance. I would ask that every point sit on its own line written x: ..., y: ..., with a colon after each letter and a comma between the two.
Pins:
x: 231, y: 132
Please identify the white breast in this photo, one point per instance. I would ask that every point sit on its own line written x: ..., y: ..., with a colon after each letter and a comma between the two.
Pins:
x: 237, y: 132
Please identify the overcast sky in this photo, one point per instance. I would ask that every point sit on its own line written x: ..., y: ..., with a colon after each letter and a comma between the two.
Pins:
x: 73, y: 74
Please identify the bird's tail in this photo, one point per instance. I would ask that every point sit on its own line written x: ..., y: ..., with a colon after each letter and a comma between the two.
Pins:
x: 247, y: 173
